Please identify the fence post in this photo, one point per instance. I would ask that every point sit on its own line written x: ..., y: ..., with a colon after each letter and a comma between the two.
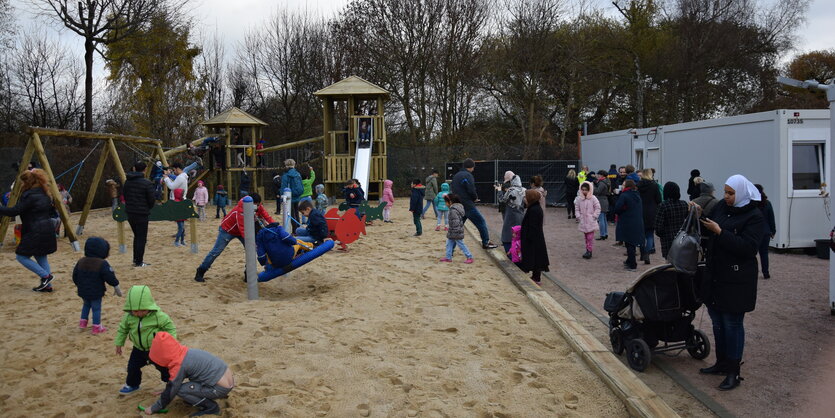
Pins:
x: 249, y: 244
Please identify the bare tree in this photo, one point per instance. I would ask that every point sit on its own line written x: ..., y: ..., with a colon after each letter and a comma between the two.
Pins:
x: 211, y: 76
x: 99, y: 22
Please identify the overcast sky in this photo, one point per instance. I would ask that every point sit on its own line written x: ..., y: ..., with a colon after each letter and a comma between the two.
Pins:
x: 232, y: 18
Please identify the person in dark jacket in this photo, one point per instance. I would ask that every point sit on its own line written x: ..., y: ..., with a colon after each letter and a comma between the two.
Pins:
x: 534, y: 249
x: 354, y: 195
x: 650, y: 199
x: 572, y: 187
x: 693, y: 189
x: 416, y: 205
x: 670, y: 216
x: 463, y: 186
x: 244, y: 185
x: 139, y: 200
x: 706, y: 201
x: 735, y: 230
x: 630, y: 227
x: 769, y: 228
x: 317, y: 227
x: 37, y: 238
x: 89, y: 275
x: 602, y: 190
x: 292, y: 179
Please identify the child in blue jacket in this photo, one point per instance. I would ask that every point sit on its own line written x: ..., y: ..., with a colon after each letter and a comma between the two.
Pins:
x: 317, y: 227
x: 89, y: 275
x: 416, y: 205
x: 221, y: 200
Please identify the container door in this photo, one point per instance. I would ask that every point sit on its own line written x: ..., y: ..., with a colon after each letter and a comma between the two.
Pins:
x: 653, y: 160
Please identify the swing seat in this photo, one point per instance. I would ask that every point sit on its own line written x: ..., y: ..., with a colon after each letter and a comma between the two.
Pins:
x: 271, y: 272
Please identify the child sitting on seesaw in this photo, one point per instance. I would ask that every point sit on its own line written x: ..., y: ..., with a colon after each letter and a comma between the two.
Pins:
x: 317, y: 227
x: 209, y: 378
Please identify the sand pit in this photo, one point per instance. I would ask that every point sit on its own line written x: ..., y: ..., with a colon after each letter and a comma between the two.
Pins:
x: 383, y: 330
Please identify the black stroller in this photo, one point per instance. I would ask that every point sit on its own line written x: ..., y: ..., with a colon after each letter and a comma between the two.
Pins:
x: 657, y: 307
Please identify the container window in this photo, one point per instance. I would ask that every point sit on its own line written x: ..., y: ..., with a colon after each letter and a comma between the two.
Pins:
x: 807, y: 166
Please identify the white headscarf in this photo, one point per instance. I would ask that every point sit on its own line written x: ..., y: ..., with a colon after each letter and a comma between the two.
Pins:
x: 745, y: 190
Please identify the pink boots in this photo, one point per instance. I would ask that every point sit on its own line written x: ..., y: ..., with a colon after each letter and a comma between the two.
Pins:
x: 82, y: 323
x: 98, y: 329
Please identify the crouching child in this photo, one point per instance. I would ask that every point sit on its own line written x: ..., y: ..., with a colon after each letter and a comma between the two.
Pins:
x: 196, y: 376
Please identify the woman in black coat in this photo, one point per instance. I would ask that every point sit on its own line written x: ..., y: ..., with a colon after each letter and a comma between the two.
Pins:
x: 38, y: 230
x: 670, y: 216
x: 534, y: 250
x: 650, y: 199
x: 572, y: 186
x: 630, y: 226
x: 770, y: 228
x: 693, y: 190
x: 735, y: 230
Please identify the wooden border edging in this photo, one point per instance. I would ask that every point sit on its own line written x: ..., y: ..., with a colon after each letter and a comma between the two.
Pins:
x: 640, y: 400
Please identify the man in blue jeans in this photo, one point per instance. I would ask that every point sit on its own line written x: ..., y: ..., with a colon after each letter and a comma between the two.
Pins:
x: 463, y: 185
x: 232, y: 227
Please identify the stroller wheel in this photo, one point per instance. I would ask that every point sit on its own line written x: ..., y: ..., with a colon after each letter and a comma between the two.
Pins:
x: 638, y: 354
x: 616, y: 339
x: 699, y: 345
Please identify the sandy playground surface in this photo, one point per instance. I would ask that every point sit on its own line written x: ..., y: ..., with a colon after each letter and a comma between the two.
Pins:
x: 383, y: 330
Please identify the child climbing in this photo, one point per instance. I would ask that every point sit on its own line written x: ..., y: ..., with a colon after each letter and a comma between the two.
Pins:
x: 388, y: 197
x: 455, y: 235
x: 321, y: 197
x: 201, y: 198
x: 142, y: 319
x: 196, y: 376
x: 221, y: 200
x: 90, y: 274
x: 308, y: 177
x: 587, y: 208
x: 180, y: 237
x: 416, y: 205
x: 443, y: 209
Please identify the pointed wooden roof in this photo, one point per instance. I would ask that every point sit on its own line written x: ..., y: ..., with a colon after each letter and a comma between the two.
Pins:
x: 234, y: 117
x: 353, y: 86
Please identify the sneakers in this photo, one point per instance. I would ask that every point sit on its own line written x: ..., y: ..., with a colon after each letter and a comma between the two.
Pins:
x: 445, y: 260
x: 438, y: 228
x: 446, y: 228
x: 489, y: 246
x: 468, y: 261
x: 417, y: 234
x: 198, y: 277
x: 177, y: 243
x: 98, y: 329
x: 141, y: 264
x: 45, y: 281
x: 128, y: 389
x: 47, y: 289
x: 82, y: 324
x: 207, y: 407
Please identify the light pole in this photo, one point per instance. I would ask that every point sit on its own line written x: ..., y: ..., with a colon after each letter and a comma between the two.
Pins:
x: 829, y: 88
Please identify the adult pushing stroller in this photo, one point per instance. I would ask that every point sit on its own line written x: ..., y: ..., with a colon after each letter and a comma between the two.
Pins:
x: 659, y: 306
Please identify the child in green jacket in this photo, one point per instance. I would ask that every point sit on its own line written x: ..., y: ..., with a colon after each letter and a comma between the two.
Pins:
x: 141, y: 321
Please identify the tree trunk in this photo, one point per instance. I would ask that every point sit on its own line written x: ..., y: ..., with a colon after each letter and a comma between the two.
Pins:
x: 89, y: 48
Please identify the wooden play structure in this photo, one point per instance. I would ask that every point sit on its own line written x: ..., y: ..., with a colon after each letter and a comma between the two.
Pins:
x: 34, y: 148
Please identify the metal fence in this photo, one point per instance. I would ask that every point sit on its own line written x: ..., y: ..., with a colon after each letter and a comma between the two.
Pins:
x: 488, y: 173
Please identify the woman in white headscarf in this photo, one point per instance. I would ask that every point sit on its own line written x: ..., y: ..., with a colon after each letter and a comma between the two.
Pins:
x: 734, y: 229
x: 514, y: 211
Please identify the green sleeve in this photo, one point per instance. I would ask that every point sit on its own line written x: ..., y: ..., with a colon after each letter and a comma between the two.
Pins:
x: 122, y: 332
x: 167, y: 325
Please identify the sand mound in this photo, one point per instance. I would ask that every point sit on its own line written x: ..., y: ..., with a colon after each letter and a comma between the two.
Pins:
x: 383, y: 330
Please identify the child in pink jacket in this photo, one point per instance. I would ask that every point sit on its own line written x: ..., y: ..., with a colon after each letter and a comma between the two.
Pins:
x: 587, y: 209
x: 516, y: 244
x: 201, y: 199
x: 388, y: 197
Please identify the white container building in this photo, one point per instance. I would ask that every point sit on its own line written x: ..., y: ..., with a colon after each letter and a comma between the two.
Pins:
x: 787, y: 151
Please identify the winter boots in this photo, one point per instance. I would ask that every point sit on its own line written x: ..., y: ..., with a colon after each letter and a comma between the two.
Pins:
x: 198, y: 277
x: 98, y: 329
x: 733, y: 378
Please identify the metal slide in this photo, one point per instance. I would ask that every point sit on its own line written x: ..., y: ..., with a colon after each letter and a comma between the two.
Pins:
x: 362, y: 164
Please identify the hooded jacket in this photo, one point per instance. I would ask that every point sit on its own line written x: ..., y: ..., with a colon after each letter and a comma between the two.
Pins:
x: 198, y: 366
x: 416, y: 200
x: 587, y: 207
x: 92, y: 271
x: 233, y: 223
x: 201, y: 194
x: 706, y: 199
x: 321, y: 198
x: 431, y: 184
x: 650, y: 199
x: 388, y: 195
x: 456, y: 222
x: 292, y: 180
x: 307, y: 184
x: 221, y: 198
x: 274, y: 246
x: 440, y: 203
x: 38, y: 230
x: 358, y: 195
x: 630, y: 226
x: 317, y: 226
x: 141, y: 331
x: 514, y: 212
x: 139, y: 194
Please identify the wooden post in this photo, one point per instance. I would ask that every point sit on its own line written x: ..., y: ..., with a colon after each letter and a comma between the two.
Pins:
x: 120, y: 226
x: 24, y: 162
x: 229, y: 163
x: 88, y: 203
x: 192, y: 225
x: 53, y: 190
x: 254, y: 184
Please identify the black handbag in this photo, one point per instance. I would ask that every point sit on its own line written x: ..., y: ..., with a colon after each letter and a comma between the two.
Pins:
x: 685, y: 250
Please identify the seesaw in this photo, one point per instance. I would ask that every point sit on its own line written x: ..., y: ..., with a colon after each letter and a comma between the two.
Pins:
x: 346, y: 228
x: 271, y: 272
x: 371, y: 212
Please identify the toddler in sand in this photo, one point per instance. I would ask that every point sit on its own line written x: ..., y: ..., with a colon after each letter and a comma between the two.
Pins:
x: 89, y: 275
x: 142, y: 319
x: 455, y: 235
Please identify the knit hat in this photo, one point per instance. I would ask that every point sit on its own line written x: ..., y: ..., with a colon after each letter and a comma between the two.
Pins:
x: 469, y: 163
x: 220, y: 187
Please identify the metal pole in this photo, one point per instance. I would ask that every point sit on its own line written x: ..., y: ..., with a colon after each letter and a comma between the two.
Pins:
x: 286, y: 200
x: 249, y: 244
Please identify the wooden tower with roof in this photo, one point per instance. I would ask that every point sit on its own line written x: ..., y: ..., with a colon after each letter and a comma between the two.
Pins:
x: 344, y: 138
